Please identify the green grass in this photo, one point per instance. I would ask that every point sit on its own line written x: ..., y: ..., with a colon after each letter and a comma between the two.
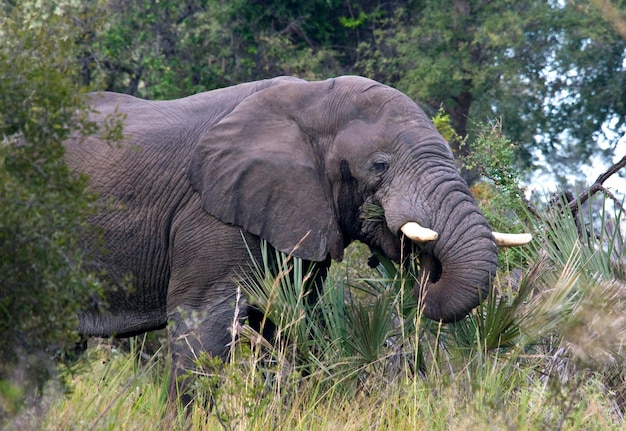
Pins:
x: 544, y: 351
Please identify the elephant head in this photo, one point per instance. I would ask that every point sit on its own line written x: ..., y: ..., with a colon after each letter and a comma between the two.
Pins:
x: 298, y: 164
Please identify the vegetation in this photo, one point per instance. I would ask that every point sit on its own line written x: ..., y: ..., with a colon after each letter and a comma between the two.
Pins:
x: 545, y: 350
x: 42, y: 207
x: 553, y: 71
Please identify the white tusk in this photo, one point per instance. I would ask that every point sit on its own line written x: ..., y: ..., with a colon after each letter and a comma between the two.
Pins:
x: 417, y: 233
x: 511, y: 239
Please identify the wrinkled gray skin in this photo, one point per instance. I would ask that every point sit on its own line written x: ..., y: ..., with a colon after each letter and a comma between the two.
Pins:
x: 282, y: 159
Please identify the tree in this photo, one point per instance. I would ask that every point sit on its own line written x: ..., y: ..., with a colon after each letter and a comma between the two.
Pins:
x: 42, y: 206
x: 552, y: 71
x: 158, y: 49
x: 549, y: 70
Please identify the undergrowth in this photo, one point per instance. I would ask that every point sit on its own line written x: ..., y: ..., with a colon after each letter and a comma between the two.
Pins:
x: 545, y: 350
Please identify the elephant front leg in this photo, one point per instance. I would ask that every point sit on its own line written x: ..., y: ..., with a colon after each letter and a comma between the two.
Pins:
x: 208, y: 258
x: 193, y: 331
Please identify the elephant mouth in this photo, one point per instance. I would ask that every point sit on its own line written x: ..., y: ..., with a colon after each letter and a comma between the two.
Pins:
x: 429, y: 266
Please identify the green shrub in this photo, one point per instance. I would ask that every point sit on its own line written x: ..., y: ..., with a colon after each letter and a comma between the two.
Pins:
x: 42, y: 206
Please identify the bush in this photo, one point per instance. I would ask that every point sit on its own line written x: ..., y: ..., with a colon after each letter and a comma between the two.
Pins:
x: 42, y: 206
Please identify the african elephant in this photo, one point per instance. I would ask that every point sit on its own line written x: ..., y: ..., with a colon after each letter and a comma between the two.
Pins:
x: 198, y: 181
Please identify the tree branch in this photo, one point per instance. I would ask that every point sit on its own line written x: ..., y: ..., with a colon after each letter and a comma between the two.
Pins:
x: 597, y: 186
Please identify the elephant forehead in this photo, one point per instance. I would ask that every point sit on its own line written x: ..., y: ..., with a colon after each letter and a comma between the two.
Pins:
x: 393, y: 105
x: 360, y: 140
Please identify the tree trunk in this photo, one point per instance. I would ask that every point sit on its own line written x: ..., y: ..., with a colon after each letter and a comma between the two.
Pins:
x: 459, y: 116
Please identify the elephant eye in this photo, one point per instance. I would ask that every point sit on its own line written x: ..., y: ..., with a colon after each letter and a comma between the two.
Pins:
x: 380, y: 167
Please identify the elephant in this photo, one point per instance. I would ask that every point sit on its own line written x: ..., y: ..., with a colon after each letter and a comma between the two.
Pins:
x: 198, y: 182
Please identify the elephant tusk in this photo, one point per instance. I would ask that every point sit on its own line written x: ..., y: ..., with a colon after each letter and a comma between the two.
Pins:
x: 417, y: 233
x: 511, y: 239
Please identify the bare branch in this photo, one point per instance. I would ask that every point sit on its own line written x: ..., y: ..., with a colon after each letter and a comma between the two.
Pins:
x: 597, y: 185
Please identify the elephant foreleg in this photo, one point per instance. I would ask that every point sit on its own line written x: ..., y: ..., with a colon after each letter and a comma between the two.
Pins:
x: 192, y: 331
x: 202, y: 300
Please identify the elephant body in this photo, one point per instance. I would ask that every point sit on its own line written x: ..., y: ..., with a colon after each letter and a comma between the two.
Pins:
x: 160, y: 247
x: 197, y: 182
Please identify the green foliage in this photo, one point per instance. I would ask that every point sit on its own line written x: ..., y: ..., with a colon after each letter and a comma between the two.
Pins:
x: 494, y: 155
x: 548, y: 69
x: 372, y: 212
x: 353, y: 23
x: 545, y: 351
x: 500, y: 194
x: 443, y: 124
x: 586, y: 80
x: 160, y: 50
x: 331, y: 338
x: 42, y: 206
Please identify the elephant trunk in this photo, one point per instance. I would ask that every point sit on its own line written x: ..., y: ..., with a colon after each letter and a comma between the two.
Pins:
x: 459, y: 262
x: 457, y: 268
x: 455, y: 280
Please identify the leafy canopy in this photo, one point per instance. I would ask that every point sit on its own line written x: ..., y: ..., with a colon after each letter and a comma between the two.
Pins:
x: 552, y: 71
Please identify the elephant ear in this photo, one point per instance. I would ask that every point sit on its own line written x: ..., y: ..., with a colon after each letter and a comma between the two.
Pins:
x: 258, y: 169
